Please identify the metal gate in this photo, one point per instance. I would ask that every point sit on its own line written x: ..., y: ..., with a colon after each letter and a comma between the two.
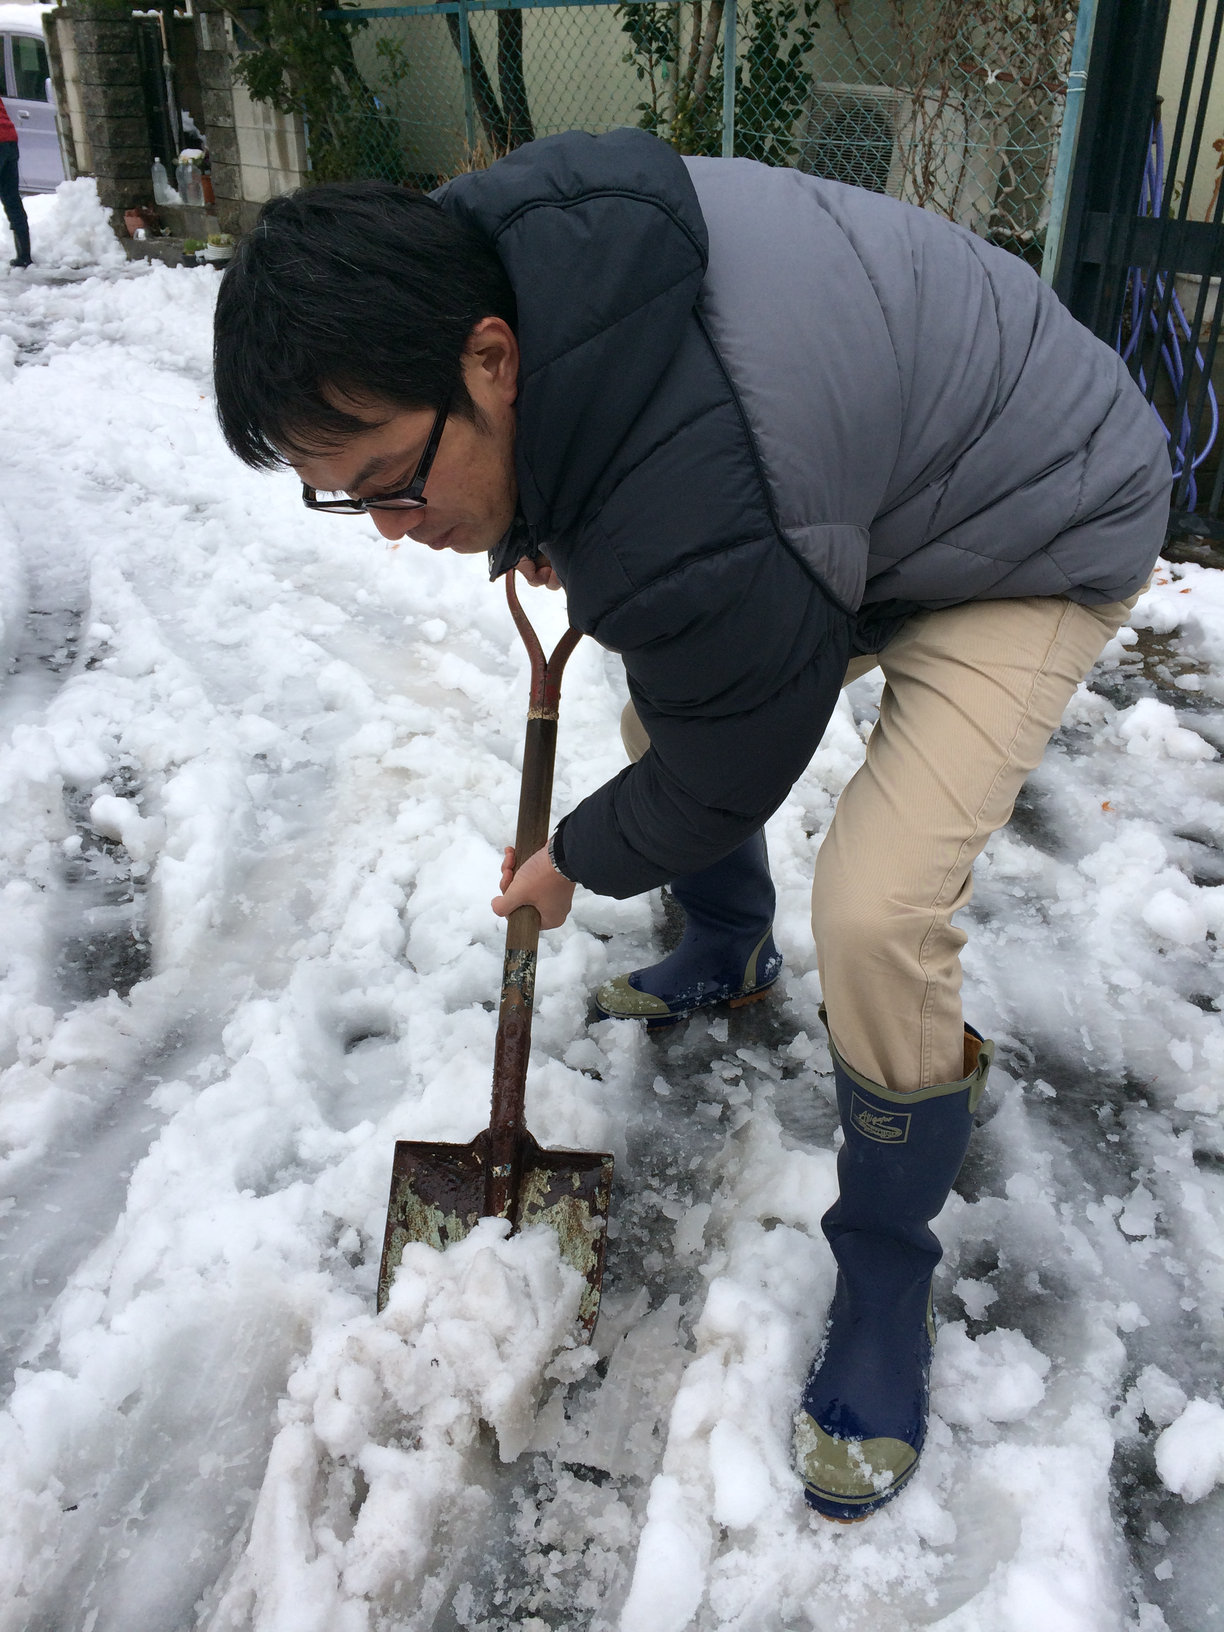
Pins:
x: 1143, y: 241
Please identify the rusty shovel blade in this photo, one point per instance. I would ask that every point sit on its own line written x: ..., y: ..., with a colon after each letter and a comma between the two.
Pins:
x: 438, y: 1193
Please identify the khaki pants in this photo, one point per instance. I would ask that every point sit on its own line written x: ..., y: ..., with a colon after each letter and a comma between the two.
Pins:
x: 972, y: 695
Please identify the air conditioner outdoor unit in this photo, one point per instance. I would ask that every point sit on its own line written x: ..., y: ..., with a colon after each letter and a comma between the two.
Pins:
x: 926, y: 150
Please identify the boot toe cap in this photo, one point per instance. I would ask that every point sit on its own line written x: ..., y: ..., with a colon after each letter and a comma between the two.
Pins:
x: 848, y: 1479
x: 621, y: 1001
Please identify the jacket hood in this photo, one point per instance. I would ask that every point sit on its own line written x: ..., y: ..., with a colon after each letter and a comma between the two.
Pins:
x: 605, y: 246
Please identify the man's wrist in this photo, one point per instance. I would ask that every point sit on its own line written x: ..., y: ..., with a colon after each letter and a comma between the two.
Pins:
x: 556, y: 855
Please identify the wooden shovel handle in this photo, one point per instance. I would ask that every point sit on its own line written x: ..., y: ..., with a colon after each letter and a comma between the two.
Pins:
x: 540, y: 746
x: 506, y: 1124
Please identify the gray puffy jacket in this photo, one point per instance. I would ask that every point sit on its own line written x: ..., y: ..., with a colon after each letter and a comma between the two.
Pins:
x: 763, y: 418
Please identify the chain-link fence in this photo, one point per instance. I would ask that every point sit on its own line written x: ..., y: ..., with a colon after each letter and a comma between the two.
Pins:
x: 951, y: 104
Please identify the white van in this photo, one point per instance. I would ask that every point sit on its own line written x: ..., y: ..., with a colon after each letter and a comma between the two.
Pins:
x: 27, y: 96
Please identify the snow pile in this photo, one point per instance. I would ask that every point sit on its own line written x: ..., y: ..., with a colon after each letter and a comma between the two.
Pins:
x: 379, y: 1450
x: 70, y: 229
x: 1190, y: 1452
x: 999, y: 1377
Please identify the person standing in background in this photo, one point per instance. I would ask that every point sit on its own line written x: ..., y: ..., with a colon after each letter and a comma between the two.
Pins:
x: 10, y: 191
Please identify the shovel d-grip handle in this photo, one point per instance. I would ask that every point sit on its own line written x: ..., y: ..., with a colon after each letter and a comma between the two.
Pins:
x: 506, y: 1122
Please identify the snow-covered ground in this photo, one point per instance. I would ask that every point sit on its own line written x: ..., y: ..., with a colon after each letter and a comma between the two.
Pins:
x: 256, y: 770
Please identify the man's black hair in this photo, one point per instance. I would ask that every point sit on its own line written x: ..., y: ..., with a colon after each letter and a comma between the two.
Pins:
x: 363, y: 288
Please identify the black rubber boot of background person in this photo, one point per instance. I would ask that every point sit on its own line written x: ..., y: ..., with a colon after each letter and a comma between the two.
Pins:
x: 863, y: 1420
x: 727, y: 954
x: 21, y: 243
x: 14, y: 209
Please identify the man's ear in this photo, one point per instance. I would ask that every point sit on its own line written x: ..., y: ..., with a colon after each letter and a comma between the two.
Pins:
x: 491, y: 361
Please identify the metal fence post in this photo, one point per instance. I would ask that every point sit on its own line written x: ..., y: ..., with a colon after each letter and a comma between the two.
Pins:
x: 1115, y: 129
x: 1068, y: 136
x: 465, y: 57
x: 728, y: 130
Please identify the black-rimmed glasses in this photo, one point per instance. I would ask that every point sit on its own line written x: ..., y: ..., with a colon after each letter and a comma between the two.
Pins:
x: 411, y: 497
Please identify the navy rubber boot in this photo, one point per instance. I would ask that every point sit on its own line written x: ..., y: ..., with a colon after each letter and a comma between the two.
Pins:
x: 863, y: 1420
x: 727, y: 954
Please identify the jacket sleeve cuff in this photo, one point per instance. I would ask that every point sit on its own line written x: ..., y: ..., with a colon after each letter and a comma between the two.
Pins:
x: 556, y: 854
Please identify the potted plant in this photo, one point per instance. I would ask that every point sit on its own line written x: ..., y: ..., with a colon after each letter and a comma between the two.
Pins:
x: 220, y: 247
x: 142, y: 221
x: 191, y: 250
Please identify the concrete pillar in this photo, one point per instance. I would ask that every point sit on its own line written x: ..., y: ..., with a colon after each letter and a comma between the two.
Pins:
x: 254, y: 152
x: 214, y: 50
x: 96, y: 70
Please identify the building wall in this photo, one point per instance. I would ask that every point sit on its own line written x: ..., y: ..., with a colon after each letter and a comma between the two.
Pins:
x: 255, y: 152
x: 95, y: 68
x: 96, y: 75
x: 271, y: 148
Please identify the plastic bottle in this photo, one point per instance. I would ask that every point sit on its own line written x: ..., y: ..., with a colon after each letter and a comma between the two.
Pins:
x: 162, y: 192
x: 190, y: 184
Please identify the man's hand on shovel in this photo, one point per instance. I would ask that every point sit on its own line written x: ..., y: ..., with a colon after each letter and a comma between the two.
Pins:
x: 539, y: 573
x: 538, y: 884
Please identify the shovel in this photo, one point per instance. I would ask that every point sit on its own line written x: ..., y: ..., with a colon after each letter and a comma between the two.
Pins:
x: 438, y: 1191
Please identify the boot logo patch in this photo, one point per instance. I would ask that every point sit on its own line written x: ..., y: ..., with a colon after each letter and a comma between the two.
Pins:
x: 885, y: 1127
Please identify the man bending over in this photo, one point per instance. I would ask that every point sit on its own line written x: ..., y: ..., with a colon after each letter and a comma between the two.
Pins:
x: 768, y: 431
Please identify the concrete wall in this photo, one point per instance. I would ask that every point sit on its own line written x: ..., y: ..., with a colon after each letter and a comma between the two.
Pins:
x: 96, y: 74
x: 271, y: 148
x: 255, y: 152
